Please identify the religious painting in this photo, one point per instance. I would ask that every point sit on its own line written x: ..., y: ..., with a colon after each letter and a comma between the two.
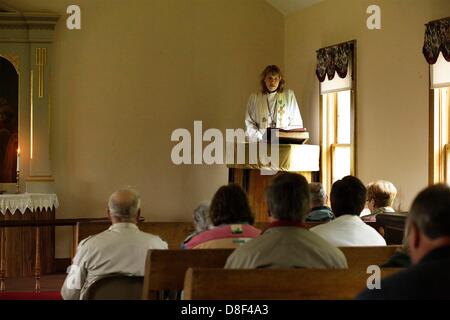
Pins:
x: 9, y: 119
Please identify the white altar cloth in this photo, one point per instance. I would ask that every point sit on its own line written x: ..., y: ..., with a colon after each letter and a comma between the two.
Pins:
x: 24, y: 201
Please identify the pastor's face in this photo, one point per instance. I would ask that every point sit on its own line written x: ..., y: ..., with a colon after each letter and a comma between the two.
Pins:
x: 272, y: 81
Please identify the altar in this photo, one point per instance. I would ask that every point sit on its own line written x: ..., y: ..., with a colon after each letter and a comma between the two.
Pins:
x: 255, y: 176
x: 18, y: 244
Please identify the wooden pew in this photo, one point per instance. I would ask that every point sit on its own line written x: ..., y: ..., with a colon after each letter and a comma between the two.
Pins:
x: 392, y: 226
x: 361, y: 257
x: 173, y: 233
x: 274, y: 284
x: 165, y: 269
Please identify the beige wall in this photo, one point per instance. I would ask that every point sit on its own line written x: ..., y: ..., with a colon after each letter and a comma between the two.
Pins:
x: 392, y: 76
x: 137, y: 70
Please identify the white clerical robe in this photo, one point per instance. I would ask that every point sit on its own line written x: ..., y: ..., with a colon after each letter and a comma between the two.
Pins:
x: 274, y: 109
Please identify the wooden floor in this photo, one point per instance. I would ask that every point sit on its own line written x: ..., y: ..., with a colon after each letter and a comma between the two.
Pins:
x: 51, y: 282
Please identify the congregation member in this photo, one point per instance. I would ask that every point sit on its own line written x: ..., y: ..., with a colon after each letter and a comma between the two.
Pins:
x: 231, y: 218
x: 120, y: 249
x: 380, y: 198
x: 319, y: 212
x: 428, y: 233
x: 286, y: 243
x: 348, y: 197
x: 201, y: 221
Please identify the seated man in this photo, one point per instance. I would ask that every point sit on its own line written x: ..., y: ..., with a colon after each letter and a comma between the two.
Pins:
x: 380, y: 197
x: 120, y: 249
x: 286, y: 243
x: 428, y: 232
x: 319, y: 210
x: 348, y: 197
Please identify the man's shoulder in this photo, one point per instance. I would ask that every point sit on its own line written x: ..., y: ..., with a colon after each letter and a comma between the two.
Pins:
x: 324, y: 226
x: 94, y: 238
x: 85, y: 241
x: 150, y: 237
x: 244, y: 255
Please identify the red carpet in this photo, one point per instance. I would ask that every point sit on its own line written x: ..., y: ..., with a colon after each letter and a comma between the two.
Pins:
x: 30, y: 296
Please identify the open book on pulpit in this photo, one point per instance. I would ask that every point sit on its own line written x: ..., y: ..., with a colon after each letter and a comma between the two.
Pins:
x: 287, y: 136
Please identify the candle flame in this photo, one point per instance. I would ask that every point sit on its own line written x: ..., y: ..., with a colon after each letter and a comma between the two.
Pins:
x: 18, y: 151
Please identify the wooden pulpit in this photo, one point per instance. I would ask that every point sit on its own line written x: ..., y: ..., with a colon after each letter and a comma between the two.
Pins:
x: 255, y: 173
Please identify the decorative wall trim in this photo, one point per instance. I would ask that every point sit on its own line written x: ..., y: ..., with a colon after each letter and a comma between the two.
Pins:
x: 41, y: 60
x: 13, y: 20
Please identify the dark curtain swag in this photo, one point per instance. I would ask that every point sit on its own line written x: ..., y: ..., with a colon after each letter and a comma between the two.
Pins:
x: 333, y: 59
x: 437, y: 39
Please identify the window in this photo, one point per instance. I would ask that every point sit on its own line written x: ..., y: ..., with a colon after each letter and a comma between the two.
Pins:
x: 440, y: 153
x: 337, y: 124
x: 435, y: 50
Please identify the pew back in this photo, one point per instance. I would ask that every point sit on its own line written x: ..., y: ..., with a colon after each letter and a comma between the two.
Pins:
x: 173, y: 233
x: 361, y: 257
x: 165, y: 269
x: 275, y: 284
x: 392, y: 226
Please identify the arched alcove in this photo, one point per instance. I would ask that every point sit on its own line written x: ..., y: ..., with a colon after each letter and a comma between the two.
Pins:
x: 9, y: 121
x: 25, y: 49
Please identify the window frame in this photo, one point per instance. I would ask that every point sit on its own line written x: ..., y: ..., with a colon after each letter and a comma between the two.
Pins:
x: 439, y: 152
x: 326, y: 155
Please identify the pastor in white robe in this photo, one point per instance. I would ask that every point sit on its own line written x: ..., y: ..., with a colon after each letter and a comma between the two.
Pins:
x: 276, y: 109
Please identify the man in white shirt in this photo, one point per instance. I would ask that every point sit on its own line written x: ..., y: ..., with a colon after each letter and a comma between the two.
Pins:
x: 273, y: 107
x: 120, y: 249
x: 348, y: 197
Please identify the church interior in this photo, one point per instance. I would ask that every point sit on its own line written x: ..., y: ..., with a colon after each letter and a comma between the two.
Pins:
x: 102, y: 85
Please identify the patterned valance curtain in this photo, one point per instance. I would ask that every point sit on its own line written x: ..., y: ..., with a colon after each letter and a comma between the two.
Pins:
x: 437, y: 39
x: 333, y: 59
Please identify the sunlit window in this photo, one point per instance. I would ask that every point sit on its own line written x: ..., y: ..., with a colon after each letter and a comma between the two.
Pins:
x: 440, y: 115
x: 337, y: 130
x: 337, y: 112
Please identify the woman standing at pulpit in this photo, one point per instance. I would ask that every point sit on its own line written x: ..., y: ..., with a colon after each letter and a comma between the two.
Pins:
x: 273, y: 107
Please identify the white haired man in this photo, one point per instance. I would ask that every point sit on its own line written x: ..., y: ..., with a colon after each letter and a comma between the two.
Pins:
x: 319, y: 211
x: 120, y: 249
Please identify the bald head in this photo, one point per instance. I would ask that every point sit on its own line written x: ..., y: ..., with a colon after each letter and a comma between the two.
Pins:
x: 124, y: 205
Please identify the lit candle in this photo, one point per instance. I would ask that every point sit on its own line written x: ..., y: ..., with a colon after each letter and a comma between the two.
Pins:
x: 18, y: 159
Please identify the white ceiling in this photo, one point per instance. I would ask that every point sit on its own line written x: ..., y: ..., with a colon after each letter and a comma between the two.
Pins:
x: 289, y: 6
